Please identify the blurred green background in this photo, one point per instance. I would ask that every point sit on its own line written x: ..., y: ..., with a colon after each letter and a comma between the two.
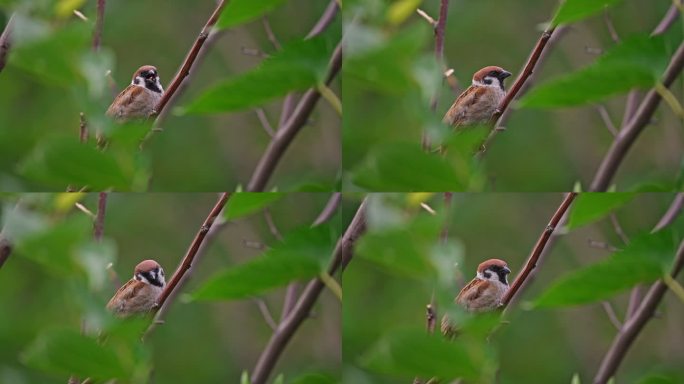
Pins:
x: 195, y: 152
x: 390, y: 280
x: 390, y: 76
x: 44, y: 286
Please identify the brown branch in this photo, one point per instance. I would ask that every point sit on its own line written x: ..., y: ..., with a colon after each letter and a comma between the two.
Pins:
x: 669, y: 19
x: 632, y: 327
x: 82, y: 129
x: 6, y: 42
x: 607, y: 121
x: 189, y: 59
x: 5, y: 249
x: 99, y: 24
x: 264, y: 121
x: 98, y: 224
x: 537, y: 250
x: 321, y: 25
x: 188, y: 259
x: 612, y: 316
x: 266, y: 313
x: 277, y: 147
x: 672, y: 212
x: 516, y: 87
x: 293, y: 288
x: 629, y: 133
x: 325, y: 20
x: 286, y: 329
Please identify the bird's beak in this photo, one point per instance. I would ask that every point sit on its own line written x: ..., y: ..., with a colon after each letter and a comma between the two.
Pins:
x: 504, y: 75
x: 505, y: 269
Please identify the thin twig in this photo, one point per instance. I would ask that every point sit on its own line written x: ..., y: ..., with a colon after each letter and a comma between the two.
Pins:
x: 266, y: 313
x: 286, y: 329
x: 5, y: 249
x: 611, y: 314
x: 329, y: 210
x: 277, y: 147
x: 6, y: 42
x: 98, y: 225
x: 269, y: 33
x: 629, y: 133
x: 427, y: 17
x: 187, y: 261
x: 672, y: 212
x: 444, y: 235
x: 602, y: 245
x: 82, y: 129
x: 190, y: 59
x: 537, y: 250
x: 611, y: 28
x: 264, y: 121
x: 667, y: 21
x: 99, y: 25
x: 271, y: 225
x: 633, y: 326
x: 440, y: 30
x: 325, y: 20
x: 618, y: 229
x: 607, y: 121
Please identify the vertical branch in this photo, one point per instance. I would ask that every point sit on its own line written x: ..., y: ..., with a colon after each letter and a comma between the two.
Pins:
x: 341, y: 256
x: 99, y: 25
x: 83, y: 129
x: 440, y: 30
x: 98, y: 225
x: 6, y: 42
x: 538, y: 248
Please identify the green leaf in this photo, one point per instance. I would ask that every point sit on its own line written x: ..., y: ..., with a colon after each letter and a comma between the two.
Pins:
x: 382, y: 63
x: 60, y: 162
x: 401, y: 10
x: 644, y: 260
x: 403, y: 250
x: 405, y: 167
x: 19, y: 222
x: 575, y: 10
x: 67, y: 352
x: 576, y: 379
x: 299, y: 256
x: 314, y: 378
x: 55, y: 246
x: 52, y: 58
x: 415, y: 353
x: 245, y: 203
x: 242, y: 11
x: 591, y: 207
x: 635, y: 63
x: 297, y: 67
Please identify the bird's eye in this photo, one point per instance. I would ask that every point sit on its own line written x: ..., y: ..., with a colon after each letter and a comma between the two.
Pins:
x: 493, y: 73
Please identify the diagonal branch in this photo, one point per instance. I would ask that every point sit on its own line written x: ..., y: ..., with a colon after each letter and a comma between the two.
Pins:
x: 284, y: 136
x: 189, y: 59
x: 629, y: 133
x: 340, y: 258
x: 187, y: 261
x: 538, y: 249
x: 632, y: 327
x: 6, y: 42
x: 517, y: 86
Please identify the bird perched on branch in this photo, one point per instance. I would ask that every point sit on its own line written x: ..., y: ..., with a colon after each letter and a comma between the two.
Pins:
x: 477, y: 104
x: 138, y: 100
x: 139, y: 295
x: 483, y: 293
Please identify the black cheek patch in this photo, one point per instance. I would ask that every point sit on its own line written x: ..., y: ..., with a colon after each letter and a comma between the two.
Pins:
x: 487, y: 81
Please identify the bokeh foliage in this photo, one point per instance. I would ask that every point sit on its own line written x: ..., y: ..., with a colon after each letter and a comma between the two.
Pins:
x: 391, y: 76
x: 384, y: 337
x: 53, y: 75
x: 57, y: 279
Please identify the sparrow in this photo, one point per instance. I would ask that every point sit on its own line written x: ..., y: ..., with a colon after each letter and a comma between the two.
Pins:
x: 140, y: 293
x: 138, y: 100
x: 483, y: 293
x: 477, y: 104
